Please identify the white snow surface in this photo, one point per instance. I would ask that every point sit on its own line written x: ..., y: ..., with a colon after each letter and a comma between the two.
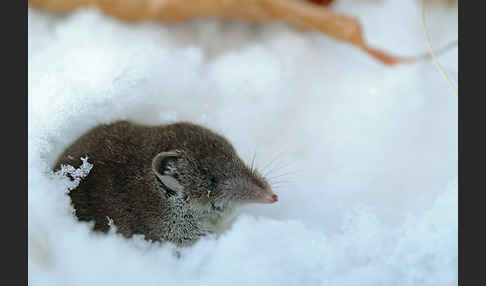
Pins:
x: 363, y: 156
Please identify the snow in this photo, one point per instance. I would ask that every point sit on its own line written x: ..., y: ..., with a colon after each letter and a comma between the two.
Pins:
x: 363, y: 157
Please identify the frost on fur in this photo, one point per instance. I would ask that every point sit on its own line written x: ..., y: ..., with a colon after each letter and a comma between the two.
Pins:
x: 75, y: 173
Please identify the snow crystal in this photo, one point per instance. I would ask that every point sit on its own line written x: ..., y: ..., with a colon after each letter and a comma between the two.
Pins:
x: 75, y: 173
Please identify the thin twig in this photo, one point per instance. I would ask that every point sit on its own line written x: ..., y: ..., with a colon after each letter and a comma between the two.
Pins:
x: 432, y: 53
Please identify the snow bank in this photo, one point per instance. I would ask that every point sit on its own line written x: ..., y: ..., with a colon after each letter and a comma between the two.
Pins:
x: 364, y: 157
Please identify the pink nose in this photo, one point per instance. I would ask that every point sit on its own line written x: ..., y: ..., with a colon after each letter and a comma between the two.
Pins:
x: 270, y: 199
x: 275, y: 198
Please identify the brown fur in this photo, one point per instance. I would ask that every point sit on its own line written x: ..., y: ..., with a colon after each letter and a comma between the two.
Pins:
x: 123, y: 186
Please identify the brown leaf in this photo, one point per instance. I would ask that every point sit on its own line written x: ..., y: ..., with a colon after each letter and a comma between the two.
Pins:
x: 298, y: 13
x: 321, y: 2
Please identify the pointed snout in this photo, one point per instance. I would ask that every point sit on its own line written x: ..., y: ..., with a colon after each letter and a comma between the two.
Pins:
x: 269, y: 197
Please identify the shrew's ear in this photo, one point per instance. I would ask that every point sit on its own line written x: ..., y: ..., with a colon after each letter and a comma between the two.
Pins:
x: 164, y: 169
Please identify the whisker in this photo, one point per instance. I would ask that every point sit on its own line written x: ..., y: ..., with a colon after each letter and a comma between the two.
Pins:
x: 290, y: 173
x: 252, y: 167
x: 273, y: 160
x: 281, y: 166
x: 283, y: 180
x: 280, y: 184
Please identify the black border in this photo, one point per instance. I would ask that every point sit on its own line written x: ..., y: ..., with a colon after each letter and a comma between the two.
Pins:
x: 462, y: 278
x: 14, y: 138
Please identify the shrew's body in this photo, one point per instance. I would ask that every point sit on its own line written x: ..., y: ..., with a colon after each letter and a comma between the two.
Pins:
x: 174, y: 182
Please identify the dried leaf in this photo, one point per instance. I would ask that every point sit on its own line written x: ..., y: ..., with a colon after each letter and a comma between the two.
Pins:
x: 321, y: 2
x: 298, y: 13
